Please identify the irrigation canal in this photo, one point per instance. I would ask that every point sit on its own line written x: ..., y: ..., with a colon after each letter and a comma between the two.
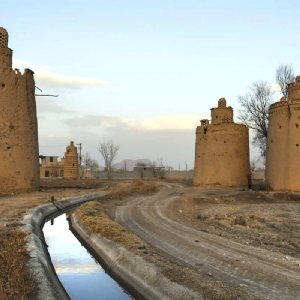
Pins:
x: 79, y: 272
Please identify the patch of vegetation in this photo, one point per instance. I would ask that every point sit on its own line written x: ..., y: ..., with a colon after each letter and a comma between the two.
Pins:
x: 133, y: 189
x: 94, y: 217
x: 16, y: 281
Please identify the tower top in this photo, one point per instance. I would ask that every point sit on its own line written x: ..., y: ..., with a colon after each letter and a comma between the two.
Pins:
x: 3, y: 38
x: 221, y: 114
x: 222, y: 103
x: 294, y: 90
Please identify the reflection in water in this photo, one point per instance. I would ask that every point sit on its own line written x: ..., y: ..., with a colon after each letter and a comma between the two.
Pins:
x: 80, y: 274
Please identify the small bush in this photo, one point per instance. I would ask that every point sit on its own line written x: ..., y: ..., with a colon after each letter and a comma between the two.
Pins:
x: 240, y: 220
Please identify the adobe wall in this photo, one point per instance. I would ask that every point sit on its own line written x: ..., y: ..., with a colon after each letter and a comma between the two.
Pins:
x: 222, y: 150
x: 71, y: 170
x: 19, y: 156
x: 283, y: 144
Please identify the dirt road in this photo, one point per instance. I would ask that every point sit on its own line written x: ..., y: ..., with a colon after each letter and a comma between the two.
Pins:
x: 159, y: 220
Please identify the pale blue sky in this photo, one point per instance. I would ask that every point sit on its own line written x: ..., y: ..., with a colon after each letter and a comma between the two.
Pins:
x: 164, y: 65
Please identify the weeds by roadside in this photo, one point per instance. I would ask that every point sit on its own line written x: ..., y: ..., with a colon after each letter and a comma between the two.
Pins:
x: 16, y: 282
x: 133, y: 189
x: 93, y: 214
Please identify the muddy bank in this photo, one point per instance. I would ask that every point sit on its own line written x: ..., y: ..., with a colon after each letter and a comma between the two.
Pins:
x: 49, y: 287
x: 143, y: 278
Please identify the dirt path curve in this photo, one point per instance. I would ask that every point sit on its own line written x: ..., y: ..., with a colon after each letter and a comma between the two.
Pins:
x: 263, y: 273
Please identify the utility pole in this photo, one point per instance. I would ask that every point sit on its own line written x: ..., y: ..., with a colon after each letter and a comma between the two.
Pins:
x: 80, y: 148
x: 80, y: 158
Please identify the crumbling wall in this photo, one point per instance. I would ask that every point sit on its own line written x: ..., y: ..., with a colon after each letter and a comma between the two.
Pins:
x: 283, y: 144
x: 222, y: 150
x: 19, y: 158
x: 71, y: 162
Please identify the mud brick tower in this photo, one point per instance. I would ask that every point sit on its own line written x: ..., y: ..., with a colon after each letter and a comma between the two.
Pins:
x: 71, y: 162
x: 19, y: 157
x: 222, y: 150
x: 283, y: 144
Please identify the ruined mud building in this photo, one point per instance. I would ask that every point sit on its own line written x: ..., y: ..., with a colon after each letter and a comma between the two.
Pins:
x: 283, y: 144
x: 71, y: 168
x: 51, y: 166
x: 19, y: 163
x: 222, y: 150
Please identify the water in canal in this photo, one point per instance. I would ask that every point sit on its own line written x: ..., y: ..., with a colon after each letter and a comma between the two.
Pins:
x: 80, y: 274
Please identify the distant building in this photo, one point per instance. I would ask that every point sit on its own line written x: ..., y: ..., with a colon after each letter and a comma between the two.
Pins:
x: 71, y: 167
x: 149, y: 172
x: 283, y: 145
x: 19, y: 164
x: 222, y: 150
x: 51, y: 166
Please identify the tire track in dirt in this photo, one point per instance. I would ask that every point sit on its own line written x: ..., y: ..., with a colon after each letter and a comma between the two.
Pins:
x: 261, y: 272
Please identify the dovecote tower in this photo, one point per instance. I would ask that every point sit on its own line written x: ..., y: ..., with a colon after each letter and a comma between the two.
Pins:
x: 222, y: 150
x: 19, y: 157
x: 283, y: 143
x: 71, y: 162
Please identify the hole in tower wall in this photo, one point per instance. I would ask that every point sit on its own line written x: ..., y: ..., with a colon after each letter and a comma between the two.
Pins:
x: 3, y: 84
x: 297, y: 145
x: 297, y: 125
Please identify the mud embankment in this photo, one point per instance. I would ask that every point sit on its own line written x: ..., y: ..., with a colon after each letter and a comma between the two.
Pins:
x: 142, y: 278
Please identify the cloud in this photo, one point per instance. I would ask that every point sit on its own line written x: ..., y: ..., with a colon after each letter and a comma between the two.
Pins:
x: 177, y: 122
x: 170, y: 137
x: 50, y: 106
x: 170, y: 122
x: 275, y: 87
x: 49, y: 79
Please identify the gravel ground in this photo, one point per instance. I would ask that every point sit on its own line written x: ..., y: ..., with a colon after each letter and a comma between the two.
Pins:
x: 238, y: 239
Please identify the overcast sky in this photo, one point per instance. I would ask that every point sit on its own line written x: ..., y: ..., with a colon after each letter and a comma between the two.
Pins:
x: 144, y: 72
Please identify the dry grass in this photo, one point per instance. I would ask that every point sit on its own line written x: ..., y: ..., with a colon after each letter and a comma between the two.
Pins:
x: 93, y: 215
x: 98, y: 222
x: 16, y: 281
x: 132, y: 189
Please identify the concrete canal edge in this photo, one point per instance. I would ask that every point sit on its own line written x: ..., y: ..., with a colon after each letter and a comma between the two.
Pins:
x: 141, y: 277
x: 49, y: 286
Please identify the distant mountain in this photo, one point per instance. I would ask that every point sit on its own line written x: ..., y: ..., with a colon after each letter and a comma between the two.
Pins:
x: 129, y: 164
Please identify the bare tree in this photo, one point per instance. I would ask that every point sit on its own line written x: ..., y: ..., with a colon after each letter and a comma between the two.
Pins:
x: 284, y: 76
x: 109, y: 151
x: 86, y: 159
x: 90, y: 163
x: 254, y: 112
x: 160, y: 167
